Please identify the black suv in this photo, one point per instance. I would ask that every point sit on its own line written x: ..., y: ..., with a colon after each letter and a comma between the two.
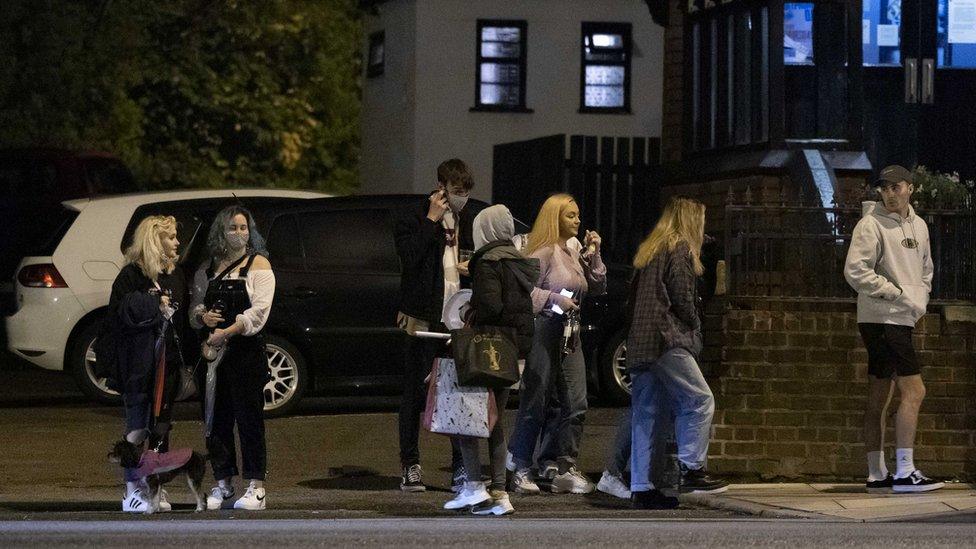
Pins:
x: 338, y: 282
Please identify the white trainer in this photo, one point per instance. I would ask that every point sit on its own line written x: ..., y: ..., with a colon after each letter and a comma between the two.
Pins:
x: 572, y: 481
x: 252, y: 500
x: 220, y: 498
x: 136, y: 501
x: 613, y: 485
x: 522, y: 482
x: 499, y: 504
x: 473, y: 493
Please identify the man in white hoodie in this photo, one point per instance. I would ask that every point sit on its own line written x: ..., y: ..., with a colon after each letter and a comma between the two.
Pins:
x: 889, y: 264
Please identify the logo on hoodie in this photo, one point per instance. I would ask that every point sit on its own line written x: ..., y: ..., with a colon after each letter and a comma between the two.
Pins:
x: 910, y: 243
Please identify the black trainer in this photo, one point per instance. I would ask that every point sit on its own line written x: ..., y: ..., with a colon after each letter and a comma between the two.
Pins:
x: 915, y: 482
x: 698, y: 481
x: 879, y: 486
x: 458, y: 477
x: 652, y: 499
x: 412, y: 480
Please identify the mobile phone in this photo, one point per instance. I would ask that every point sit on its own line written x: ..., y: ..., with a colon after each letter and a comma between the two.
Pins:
x: 556, y: 308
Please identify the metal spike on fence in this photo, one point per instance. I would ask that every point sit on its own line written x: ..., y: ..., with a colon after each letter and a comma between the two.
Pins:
x: 730, y: 198
x: 782, y: 196
x: 801, y: 198
x: 748, y: 196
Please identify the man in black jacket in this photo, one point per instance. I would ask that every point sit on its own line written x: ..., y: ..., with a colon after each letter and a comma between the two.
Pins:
x: 431, y: 240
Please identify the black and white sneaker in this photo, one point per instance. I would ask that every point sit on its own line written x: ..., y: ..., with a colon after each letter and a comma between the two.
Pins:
x: 698, y: 481
x: 879, y: 486
x: 915, y: 482
x: 412, y: 480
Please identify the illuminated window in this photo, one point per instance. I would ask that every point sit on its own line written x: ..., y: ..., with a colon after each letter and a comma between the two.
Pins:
x: 500, y: 66
x: 605, y: 74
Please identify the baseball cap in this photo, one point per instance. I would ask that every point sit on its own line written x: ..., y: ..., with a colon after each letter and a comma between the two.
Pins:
x: 893, y: 174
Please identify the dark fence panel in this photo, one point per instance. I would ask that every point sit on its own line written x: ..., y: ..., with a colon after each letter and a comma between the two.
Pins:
x: 615, y: 180
x: 797, y: 251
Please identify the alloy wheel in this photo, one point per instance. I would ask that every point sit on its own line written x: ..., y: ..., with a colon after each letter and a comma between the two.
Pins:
x: 284, y: 377
x: 619, y: 367
x: 99, y: 382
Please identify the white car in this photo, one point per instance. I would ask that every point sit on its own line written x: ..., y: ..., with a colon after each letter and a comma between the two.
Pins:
x: 59, y: 298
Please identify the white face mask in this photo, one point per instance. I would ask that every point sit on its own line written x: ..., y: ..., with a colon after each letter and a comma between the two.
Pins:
x: 457, y: 202
x: 237, y: 241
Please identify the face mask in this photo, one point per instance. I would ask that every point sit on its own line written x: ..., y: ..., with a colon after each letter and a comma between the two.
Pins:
x: 236, y: 240
x: 457, y: 202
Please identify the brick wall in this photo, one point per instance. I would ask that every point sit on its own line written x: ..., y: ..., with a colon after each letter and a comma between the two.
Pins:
x: 790, y: 393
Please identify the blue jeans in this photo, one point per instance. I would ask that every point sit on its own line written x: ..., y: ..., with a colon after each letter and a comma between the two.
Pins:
x: 618, y: 462
x: 546, y: 368
x: 675, y: 379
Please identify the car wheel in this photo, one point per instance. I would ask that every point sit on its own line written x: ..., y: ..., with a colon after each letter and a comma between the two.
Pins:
x: 615, y: 381
x: 81, y: 363
x: 289, y: 377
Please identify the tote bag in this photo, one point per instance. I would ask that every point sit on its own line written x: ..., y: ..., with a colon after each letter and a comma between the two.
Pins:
x: 454, y: 409
x: 485, y: 355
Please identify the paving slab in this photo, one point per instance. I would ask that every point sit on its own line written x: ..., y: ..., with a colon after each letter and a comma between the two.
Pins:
x: 838, y: 501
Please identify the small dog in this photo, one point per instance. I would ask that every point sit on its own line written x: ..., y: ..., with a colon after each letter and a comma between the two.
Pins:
x: 128, y: 455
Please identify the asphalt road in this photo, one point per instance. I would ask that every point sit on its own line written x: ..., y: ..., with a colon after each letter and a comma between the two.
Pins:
x: 494, y: 532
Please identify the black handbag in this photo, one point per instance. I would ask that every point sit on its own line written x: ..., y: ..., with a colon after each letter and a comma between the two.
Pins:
x: 485, y: 356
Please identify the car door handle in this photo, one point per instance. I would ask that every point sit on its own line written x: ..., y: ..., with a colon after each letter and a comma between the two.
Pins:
x: 301, y: 291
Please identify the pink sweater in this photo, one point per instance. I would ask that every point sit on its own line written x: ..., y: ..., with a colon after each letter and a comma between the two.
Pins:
x: 562, y: 269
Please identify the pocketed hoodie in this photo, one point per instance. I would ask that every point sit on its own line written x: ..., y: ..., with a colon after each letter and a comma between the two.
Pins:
x: 889, y: 264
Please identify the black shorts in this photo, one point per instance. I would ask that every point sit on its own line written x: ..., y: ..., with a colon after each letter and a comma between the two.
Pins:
x: 890, y: 350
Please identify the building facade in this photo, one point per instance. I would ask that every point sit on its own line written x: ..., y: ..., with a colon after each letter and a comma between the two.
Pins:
x: 454, y: 78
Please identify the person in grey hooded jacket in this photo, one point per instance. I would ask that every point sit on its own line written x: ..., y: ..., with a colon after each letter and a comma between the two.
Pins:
x: 889, y: 264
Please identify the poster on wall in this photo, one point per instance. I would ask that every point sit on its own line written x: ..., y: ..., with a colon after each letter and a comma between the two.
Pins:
x: 962, y: 21
x: 797, y: 32
x: 887, y: 35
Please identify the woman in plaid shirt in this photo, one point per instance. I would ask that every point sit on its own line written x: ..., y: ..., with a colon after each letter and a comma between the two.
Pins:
x: 664, y: 341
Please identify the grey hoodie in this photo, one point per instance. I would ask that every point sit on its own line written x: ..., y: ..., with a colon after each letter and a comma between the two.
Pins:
x: 892, y: 276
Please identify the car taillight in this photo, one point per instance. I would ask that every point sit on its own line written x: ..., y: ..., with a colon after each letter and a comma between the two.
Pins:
x: 41, y: 276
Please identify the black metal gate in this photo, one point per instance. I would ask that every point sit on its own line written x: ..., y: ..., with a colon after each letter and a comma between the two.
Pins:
x: 615, y: 180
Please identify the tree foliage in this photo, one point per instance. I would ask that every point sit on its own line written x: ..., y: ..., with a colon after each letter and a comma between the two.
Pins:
x: 189, y: 92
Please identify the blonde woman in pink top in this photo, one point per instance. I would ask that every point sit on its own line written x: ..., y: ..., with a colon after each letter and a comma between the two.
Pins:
x: 566, y: 266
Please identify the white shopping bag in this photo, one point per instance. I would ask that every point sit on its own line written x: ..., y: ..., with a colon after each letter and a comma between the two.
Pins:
x: 453, y: 409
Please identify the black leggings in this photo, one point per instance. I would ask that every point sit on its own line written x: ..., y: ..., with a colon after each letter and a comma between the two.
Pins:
x: 239, y: 399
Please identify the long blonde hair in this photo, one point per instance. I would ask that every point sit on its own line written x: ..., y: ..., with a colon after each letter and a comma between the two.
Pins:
x: 683, y: 220
x: 545, y: 230
x: 146, y: 250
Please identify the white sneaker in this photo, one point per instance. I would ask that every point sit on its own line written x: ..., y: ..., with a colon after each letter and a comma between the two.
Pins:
x: 136, y: 502
x: 252, y: 500
x: 473, y: 493
x: 572, y: 481
x: 613, y: 485
x: 522, y: 482
x: 220, y: 498
x: 164, y: 504
x: 499, y: 504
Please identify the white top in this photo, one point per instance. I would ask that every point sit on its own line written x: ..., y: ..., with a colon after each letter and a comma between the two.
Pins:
x: 260, y: 286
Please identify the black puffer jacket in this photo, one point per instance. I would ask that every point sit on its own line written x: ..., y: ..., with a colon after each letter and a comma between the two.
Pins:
x: 502, y: 282
x: 420, y: 244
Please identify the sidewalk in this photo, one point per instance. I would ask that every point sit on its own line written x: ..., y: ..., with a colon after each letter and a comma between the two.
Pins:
x: 847, y: 502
